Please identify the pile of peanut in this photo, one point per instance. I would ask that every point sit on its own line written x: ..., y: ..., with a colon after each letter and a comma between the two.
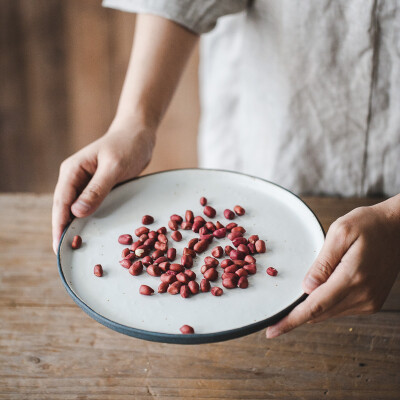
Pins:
x: 152, y: 253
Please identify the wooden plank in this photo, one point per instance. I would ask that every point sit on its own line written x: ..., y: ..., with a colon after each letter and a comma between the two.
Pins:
x: 50, y: 349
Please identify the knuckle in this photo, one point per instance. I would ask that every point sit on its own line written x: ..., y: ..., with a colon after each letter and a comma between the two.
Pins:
x: 342, y: 228
x: 316, y: 309
x: 324, y: 267
x: 94, y: 191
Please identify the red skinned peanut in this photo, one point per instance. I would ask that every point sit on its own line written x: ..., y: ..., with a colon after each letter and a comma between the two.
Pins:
x: 203, y: 201
x: 142, y: 231
x: 211, y: 274
x: 98, y: 270
x: 217, y: 291
x: 239, y: 210
x: 205, y: 285
x: 186, y: 330
x: 77, y: 242
x: 272, y: 271
x: 136, y: 268
x: 194, y: 287
x: 260, y: 246
x: 146, y: 290
x: 216, y: 252
x: 209, y: 211
x: 171, y: 254
x: 229, y: 214
x: 125, y: 239
x: 243, y: 282
x: 147, y: 220
x: 163, y: 286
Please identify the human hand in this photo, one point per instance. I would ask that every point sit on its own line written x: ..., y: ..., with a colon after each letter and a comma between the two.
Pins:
x: 355, y: 269
x: 87, y: 176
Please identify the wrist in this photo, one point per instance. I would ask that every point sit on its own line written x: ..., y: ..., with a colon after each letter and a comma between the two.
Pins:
x: 391, y: 210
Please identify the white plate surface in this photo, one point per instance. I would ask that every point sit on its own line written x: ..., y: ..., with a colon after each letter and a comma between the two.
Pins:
x: 292, y: 233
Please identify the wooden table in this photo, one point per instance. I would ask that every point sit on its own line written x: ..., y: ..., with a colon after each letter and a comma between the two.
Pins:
x: 50, y: 349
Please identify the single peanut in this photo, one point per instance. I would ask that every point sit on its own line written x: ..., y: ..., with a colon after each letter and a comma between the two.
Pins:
x: 156, y: 254
x: 189, y: 217
x: 146, y: 290
x: 229, y: 283
x: 147, y: 220
x: 167, y: 278
x: 183, y: 278
x: 125, y: 252
x: 161, y: 246
x: 186, y: 329
x: 211, y: 262
x: 177, y: 218
x: 229, y: 214
x: 162, y: 238
x: 237, y: 255
x: 194, y: 287
x: 163, y: 286
x: 142, y: 230
x: 186, y: 226
x: 174, y: 288
x: 243, y: 283
x: 187, y: 261
x: 205, y: 285
x: 272, y: 271
x: 260, y: 246
x: 211, y: 274
x: 243, y: 248
x: 218, y: 225
x: 209, y: 211
x: 164, y: 266
x: 189, y: 252
x: 210, y: 226
x: 135, y: 245
x: 230, y: 275
x: 239, y: 210
x: 241, y: 272
x: 238, y: 229
x: 153, y: 270
x: 234, y: 235
x: 252, y: 248
x: 150, y: 242
x: 217, y: 252
x: 162, y: 230
x: 185, y: 291
x: 239, y: 240
x: 77, y: 242
x: 220, y: 233
x: 160, y: 260
x: 204, y: 268
x: 136, y: 268
x: 230, y: 226
x: 251, y: 268
x: 209, y: 238
x: 216, y: 291
x: 231, y: 268
x: 126, y: 263
x: 173, y: 225
x: 142, y: 251
x: 203, y: 231
x: 250, y: 259
x: 143, y: 238
x: 153, y: 235
x: 176, y: 267
x: 226, y: 263
x: 177, y: 236
x: 253, y: 238
x: 199, y: 218
x: 124, y: 239
x: 240, y: 263
x: 98, y: 270
x: 171, y: 254
x: 203, y: 201
x: 190, y: 274
x: 197, y: 226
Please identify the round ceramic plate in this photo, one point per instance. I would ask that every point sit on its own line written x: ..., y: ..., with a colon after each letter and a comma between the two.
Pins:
x: 292, y: 233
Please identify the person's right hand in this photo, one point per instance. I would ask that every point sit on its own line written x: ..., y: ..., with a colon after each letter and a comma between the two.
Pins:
x: 87, y: 177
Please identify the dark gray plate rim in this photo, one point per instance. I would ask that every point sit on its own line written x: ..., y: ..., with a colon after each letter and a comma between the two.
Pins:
x: 196, y: 338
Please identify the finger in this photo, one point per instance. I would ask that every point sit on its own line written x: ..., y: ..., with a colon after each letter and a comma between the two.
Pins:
x: 337, y: 242
x: 318, y: 302
x: 97, y: 189
x: 344, y: 307
x: 69, y: 184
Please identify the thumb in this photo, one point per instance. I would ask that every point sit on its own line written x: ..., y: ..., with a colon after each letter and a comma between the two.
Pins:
x: 338, y: 240
x: 97, y: 189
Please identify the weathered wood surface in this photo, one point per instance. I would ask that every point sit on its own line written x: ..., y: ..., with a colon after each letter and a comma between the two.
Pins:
x: 50, y: 349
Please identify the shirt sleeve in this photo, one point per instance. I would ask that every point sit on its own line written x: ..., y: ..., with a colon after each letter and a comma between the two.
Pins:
x: 199, y: 16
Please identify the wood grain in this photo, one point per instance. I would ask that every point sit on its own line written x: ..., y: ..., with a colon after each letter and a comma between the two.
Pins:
x: 50, y: 349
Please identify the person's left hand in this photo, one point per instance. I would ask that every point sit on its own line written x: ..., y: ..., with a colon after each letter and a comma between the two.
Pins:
x: 355, y: 269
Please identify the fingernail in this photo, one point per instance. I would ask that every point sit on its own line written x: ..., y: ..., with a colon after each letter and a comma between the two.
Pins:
x: 310, y: 283
x: 81, y: 206
x: 55, y: 245
x: 272, y: 332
